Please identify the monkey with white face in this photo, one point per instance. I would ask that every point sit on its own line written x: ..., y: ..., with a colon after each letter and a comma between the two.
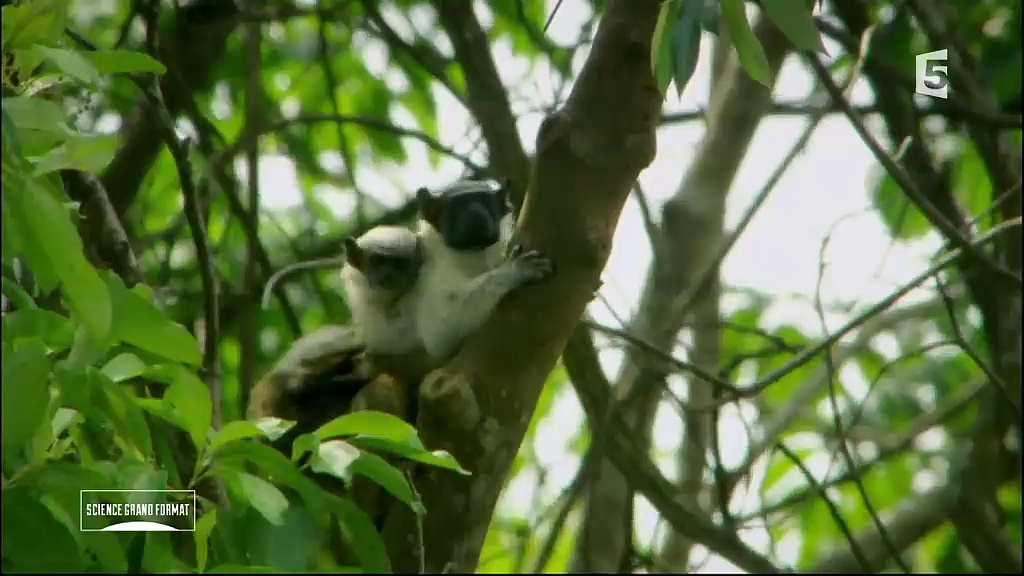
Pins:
x: 321, y: 374
x: 468, y: 266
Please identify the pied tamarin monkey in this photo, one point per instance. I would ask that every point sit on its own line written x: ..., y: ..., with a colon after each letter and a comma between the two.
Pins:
x: 321, y: 374
x: 414, y: 298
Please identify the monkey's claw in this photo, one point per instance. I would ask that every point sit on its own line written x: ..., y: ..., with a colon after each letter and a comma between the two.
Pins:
x: 532, y: 266
x: 513, y: 251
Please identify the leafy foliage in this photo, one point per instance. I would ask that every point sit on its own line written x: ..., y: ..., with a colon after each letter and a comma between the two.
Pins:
x: 91, y: 385
x: 104, y: 384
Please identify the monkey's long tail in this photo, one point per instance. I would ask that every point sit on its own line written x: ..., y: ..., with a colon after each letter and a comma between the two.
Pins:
x: 319, y: 263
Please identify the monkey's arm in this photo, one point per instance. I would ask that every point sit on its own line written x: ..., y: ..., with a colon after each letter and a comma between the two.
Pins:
x: 443, y: 328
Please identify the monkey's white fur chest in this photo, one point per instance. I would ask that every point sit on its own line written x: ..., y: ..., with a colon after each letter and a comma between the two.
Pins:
x: 443, y: 314
x: 385, y: 326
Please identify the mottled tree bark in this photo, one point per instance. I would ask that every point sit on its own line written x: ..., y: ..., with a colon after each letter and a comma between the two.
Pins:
x: 589, y: 154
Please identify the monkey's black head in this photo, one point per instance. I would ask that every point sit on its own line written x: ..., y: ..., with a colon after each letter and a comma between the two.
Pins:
x: 467, y: 214
x: 388, y: 257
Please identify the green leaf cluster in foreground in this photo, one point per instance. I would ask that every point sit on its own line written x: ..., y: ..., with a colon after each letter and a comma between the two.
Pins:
x: 102, y: 391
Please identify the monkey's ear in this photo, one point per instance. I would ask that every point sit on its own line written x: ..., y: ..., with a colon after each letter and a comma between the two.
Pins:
x: 502, y: 194
x: 429, y: 206
x: 353, y: 253
x: 424, y: 197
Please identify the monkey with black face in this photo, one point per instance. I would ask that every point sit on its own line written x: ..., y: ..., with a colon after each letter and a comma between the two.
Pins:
x: 468, y: 266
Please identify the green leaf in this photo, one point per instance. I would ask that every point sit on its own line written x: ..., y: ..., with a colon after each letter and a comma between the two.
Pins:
x: 52, y: 243
x: 124, y: 62
x: 85, y: 153
x: 52, y: 477
x: 30, y: 113
x: 234, y: 456
x: 204, y: 526
x: 904, y: 220
x: 304, y: 443
x: 189, y: 399
x: 232, y: 431
x: 661, y: 46
x: 17, y: 295
x: 335, y: 457
x: 264, y: 497
x: 274, y: 428
x: 971, y: 183
x: 64, y: 418
x: 108, y: 551
x: 779, y: 465
x: 26, y: 392
x: 34, y: 540
x: 43, y: 437
x: 371, y: 423
x: 361, y: 532
x: 388, y: 477
x: 287, y: 547
x: 138, y: 475
x: 85, y: 349
x: 749, y: 50
x: 124, y: 367
x: 158, y: 556
x: 28, y: 23
x: 55, y: 331
x: 796, y: 20
x: 438, y: 458
x: 71, y: 63
x: 99, y: 399
x: 817, y: 528
x: 685, y: 43
x: 139, y: 323
x: 241, y: 569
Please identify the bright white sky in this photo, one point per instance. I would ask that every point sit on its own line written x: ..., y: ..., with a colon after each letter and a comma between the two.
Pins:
x: 827, y: 190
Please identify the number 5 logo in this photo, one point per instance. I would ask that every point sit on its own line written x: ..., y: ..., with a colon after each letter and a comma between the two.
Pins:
x: 932, y: 75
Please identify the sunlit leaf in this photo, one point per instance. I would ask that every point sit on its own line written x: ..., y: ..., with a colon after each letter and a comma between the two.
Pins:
x: 232, y: 431
x: 796, y: 20
x: 83, y: 153
x: 388, y: 477
x: 25, y: 392
x: 139, y: 323
x: 35, y: 541
x: 71, y: 63
x: 359, y: 529
x: 748, y: 48
x: 52, y: 243
x: 264, y: 497
x: 123, y: 62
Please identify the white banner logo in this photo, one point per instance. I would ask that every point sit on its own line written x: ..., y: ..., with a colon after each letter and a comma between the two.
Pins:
x: 137, y: 511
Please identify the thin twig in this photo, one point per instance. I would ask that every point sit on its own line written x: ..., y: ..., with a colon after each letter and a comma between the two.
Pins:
x: 837, y: 418
x: 965, y: 346
x: 226, y: 154
x: 809, y: 353
x: 832, y: 508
